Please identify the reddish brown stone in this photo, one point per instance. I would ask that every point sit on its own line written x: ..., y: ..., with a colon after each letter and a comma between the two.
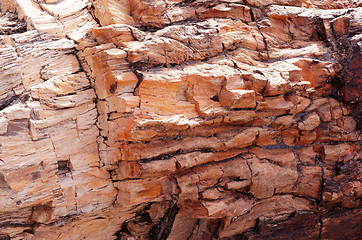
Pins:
x: 344, y: 224
x: 302, y: 225
x: 180, y: 119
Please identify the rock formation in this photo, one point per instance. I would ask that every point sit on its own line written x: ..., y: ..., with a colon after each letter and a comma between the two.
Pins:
x: 180, y: 119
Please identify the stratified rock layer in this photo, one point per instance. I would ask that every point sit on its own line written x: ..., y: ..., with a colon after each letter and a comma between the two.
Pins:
x: 170, y: 119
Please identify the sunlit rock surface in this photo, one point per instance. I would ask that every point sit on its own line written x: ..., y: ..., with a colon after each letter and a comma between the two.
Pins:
x: 171, y: 119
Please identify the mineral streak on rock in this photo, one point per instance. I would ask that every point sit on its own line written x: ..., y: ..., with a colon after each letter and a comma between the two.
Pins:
x: 180, y: 119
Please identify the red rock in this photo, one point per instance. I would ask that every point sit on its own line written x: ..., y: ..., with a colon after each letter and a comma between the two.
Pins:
x: 140, y: 191
x: 307, y: 137
x: 337, y: 153
x: 281, y: 157
x: 237, y: 98
x: 267, y: 137
x: 307, y: 155
x: 309, y: 122
x: 345, y: 225
x: 268, y: 178
x: 284, y: 121
x: 290, y: 137
x: 298, y: 226
x: 348, y: 124
x: 233, y: 11
x: 300, y: 103
x: 248, y: 220
x: 171, y: 119
x: 325, y: 113
x: 309, y: 183
x: 274, y: 104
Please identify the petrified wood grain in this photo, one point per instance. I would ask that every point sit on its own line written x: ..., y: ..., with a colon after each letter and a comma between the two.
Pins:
x: 171, y: 119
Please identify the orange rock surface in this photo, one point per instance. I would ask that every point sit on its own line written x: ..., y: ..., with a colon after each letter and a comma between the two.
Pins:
x: 180, y: 119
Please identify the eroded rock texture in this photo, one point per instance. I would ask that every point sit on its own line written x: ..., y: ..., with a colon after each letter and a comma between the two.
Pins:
x: 171, y: 119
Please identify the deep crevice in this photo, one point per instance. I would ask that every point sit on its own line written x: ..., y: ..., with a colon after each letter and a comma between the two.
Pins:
x: 320, y: 31
x: 8, y: 101
x: 161, y: 230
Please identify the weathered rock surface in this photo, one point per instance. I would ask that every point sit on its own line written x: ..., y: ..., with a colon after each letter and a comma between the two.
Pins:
x: 174, y: 119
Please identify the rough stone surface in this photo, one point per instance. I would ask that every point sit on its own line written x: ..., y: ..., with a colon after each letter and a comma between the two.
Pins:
x: 180, y: 119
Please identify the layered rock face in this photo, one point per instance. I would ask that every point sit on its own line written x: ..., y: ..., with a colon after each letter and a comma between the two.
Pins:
x: 171, y: 119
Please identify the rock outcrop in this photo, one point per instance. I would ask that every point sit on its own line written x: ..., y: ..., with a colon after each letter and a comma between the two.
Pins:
x: 171, y: 119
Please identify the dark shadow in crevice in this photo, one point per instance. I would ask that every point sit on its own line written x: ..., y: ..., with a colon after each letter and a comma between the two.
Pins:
x: 10, y: 24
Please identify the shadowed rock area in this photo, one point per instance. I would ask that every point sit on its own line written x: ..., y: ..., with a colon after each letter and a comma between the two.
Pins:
x: 10, y: 24
x: 171, y: 119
